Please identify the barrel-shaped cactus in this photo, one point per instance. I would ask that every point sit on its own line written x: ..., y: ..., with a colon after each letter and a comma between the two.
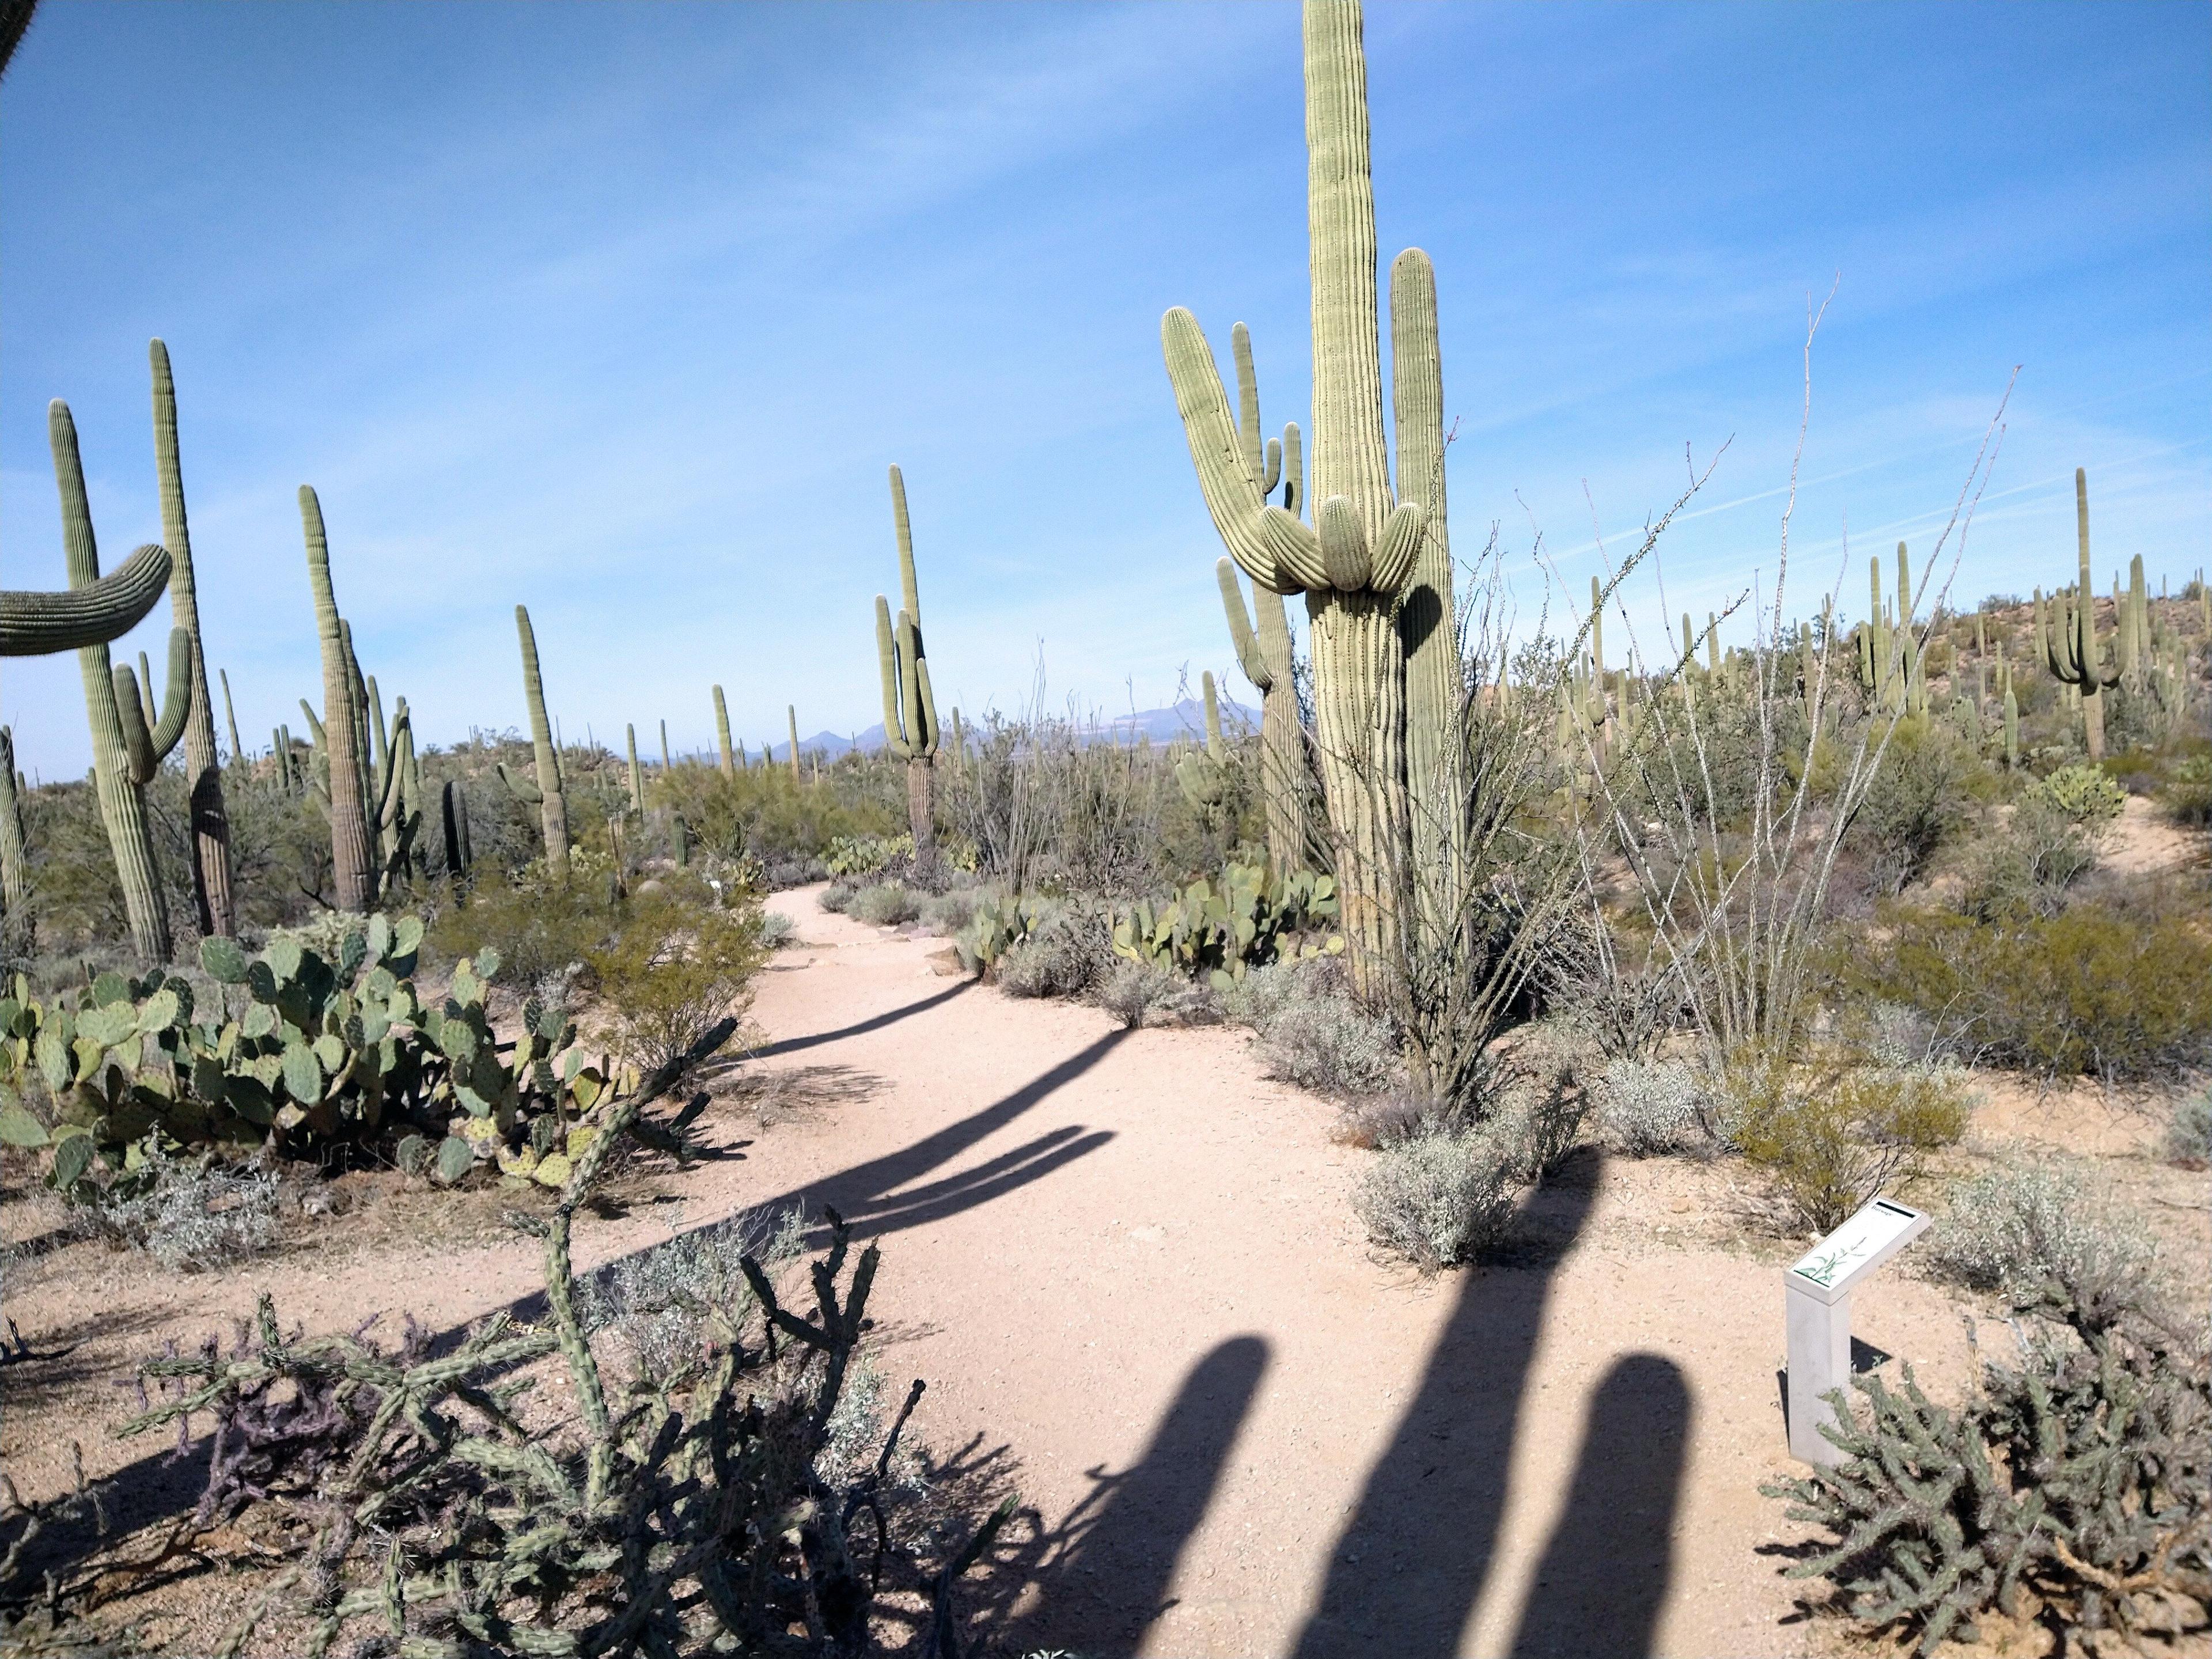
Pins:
x: 546, y: 793
x: 119, y: 784
x: 2067, y: 634
x: 910, y: 729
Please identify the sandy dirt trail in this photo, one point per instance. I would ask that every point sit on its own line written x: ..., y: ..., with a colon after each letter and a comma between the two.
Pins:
x: 1129, y: 1271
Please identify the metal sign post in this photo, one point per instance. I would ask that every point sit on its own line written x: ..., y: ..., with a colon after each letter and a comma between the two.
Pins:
x: 1818, y: 1301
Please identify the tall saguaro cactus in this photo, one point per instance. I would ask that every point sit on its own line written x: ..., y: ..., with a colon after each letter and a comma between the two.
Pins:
x: 124, y: 751
x: 2068, y: 628
x: 15, y: 920
x: 636, y: 776
x: 722, y: 730
x: 1356, y: 562
x: 545, y: 793
x: 910, y: 705
x: 1264, y: 652
x: 353, y: 848
x: 210, y: 821
x: 790, y: 719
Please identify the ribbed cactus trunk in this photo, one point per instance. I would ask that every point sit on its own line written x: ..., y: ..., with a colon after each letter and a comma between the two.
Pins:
x: 122, y: 802
x: 1428, y: 620
x: 552, y: 804
x: 791, y: 719
x: 2067, y: 631
x: 636, y: 775
x: 15, y: 921
x: 665, y: 765
x: 230, y: 719
x: 910, y: 729
x: 210, y: 821
x: 353, y: 849
x: 722, y: 731
x: 1264, y: 652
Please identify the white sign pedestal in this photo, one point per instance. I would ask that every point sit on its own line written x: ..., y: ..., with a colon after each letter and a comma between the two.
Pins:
x: 1818, y: 1306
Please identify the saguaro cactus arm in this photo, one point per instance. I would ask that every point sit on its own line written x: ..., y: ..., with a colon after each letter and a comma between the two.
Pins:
x: 1241, y: 634
x: 147, y: 745
x: 33, y: 624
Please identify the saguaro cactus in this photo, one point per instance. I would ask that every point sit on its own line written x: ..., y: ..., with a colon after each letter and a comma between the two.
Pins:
x: 1265, y: 655
x: 454, y: 811
x: 910, y: 729
x: 665, y: 762
x: 230, y: 719
x: 210, y: 821
x: 339, y: 732
x: 34, y: 624
x: 546, y: 793
x: 15, y: 874
x: 2068, y: 628
x: 1201, y: 774
x: 791, y: 719
x: 636, y: 776
x: 722, y: 730
x: 124, y: 751
x: 1357, y: 560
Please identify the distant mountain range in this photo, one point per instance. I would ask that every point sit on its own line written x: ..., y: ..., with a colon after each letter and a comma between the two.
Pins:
x: 1184, y: 719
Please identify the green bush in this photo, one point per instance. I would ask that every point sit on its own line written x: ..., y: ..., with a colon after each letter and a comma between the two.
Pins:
x: 541, y: 923
x: 887, y: 904
x: 1834, y: 1133
x: 762, y: 812
x: 1065, y: 954
x: 2092, y: 991
x: 1920, y: 796
x: 2186, y: 794
x: 674, y: 966
x: 2083, y: 794
x: 2026, y: 866
x: 2189, y: 1137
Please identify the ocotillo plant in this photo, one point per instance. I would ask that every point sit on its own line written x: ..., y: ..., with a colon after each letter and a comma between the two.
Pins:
x: 910, y: 705
x: 2068, y: 633
x: 636, y: 776
x: 1356, y: 562
x: 15, y: 922
x: 121, y: 766
x: 546, y: 793
x: 722, y: 730
x: 790, y: 719
x: 210, y: 821
x: 353, y: 850
x: 1265, y: 655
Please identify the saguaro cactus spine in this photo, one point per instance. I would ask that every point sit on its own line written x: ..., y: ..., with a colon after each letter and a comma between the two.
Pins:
x: 2069, y: 630
x: 910, y: 729
x: 210, y: 821
x: 545, y: 793
x: 115, y: 772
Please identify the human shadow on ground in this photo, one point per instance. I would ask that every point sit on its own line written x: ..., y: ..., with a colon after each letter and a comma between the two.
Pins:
x: 867, y: 1194
x: 1604, y: 1573
x: 1102, y: 1575
x: 860, y: 1028
x: 1413, y: 1556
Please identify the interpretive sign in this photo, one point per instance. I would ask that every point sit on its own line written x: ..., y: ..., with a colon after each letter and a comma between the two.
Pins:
x: 1818, y: 1308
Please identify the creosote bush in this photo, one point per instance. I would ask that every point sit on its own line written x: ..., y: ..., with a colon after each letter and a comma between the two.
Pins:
x: 676, y: 964
x: 1834, y: 1132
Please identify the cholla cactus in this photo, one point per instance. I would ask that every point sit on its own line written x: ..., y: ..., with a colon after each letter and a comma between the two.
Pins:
x: 910, y: 729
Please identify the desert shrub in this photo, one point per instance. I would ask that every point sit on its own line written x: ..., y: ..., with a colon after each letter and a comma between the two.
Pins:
x: 2083, y: 794
x: 2041, y: 1239
x: 1264, y: 993
x: 776, y: 930
x: 539, y: 922
x: 1323, y: 1040
x: 953, y: 909
x: 2076, y: 1486
x: 661, y: 1515
x: 2028, y: 864
x: 675, y: 967
x: 2186, y: 794
x: 2189, y: 1137
x: 1440, y: 1196
x: 667, y: 1303
x: 1650, y: 1107
x: 762, y: 812
x: 2093, y: 990
x: 191, y: 1216
x: 1063, y: 955
x: 837, y: 897
x: 1136, y: 993
x: 866, y: 855
x: 777, y: 874
x: 1920, y: 796
x: 1834, y: 1133
x: 888, y: 904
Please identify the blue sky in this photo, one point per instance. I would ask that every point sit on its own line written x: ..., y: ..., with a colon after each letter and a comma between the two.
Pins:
x: 622, y: 311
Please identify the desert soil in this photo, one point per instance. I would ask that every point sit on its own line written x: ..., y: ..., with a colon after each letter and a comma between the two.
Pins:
x: 1129, y: 1271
